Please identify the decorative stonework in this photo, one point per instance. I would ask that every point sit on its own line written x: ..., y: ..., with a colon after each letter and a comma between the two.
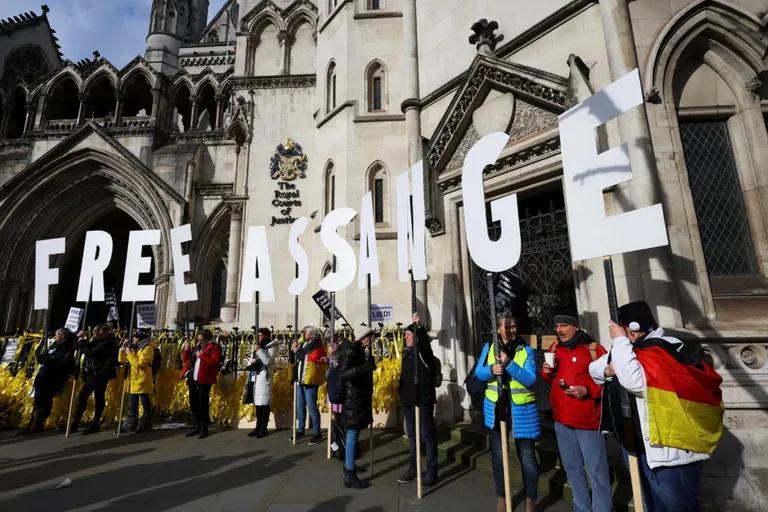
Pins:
x: 507, y: 164
x: 214, y: 189
x: 274, y: 82
x: 208, y: 60
x: 470, y: 137
x: 435, y: 226
x: 466, y: 100
x: 753, y: 86
x: 530, y: 119
x: 484, y: 37
x: 289, y: 161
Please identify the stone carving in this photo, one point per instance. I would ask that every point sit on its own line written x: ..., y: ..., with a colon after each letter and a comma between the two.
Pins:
x: 524, y: 86
x: 275, y: 82
x: 753, y: 86
x: 653, y: 96
x: 530, y: 119
x: 470, y: 137
x: 289, y: 161
x: 483, y: 37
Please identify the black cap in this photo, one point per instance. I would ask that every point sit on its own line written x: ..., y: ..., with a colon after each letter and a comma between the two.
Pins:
x: 637, y: 316
x: 566, y: 316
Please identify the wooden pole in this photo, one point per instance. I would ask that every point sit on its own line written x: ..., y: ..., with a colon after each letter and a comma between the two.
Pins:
x: 296, y: 338
x: 505, y: 465
x: 123, y: 371
x: 77, y: 364
x: 626, y: 409
x: 418, y: 450
x: 333, y: 338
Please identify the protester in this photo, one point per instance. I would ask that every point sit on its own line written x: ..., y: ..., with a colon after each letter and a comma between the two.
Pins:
x: 517, y: 365
x: 258, y: 390
x: 139, y: 354
x: 201, y: 368
x: 57, y: 363
x: 309, y: 357
x: 416, y: 389
x: 99, y: 366
x: 338, y: 435
x: 575, y: 400
x: 356, y: 367
x: 676, y: 398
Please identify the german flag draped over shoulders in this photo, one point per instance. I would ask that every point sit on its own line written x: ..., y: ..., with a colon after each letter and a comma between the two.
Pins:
x: 684, y: 399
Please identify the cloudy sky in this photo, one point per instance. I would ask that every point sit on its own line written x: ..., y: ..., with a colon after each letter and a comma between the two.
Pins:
x: 117, y: 28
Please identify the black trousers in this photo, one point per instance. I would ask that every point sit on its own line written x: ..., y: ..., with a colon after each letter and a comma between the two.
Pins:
x: 262, y: 418
x: 199, y: 403
x: 98, y: 386
x: 43, y: 404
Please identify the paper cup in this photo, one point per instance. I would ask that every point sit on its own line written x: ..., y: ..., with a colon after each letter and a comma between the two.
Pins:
x: 549, y: 358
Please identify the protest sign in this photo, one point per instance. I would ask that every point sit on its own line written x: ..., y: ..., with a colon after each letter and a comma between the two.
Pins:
x: 73, y: 319
x: 145, y: 316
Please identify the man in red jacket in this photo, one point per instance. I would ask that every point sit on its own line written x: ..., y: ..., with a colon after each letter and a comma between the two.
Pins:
x: 575, y: 400
x: 201, y: 367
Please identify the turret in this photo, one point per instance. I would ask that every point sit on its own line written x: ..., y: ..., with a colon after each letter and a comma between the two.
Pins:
x: 171, y: 24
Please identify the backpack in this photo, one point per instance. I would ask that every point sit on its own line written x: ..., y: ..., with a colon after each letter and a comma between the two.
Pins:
x: 335, y: 386
x: 157, y: 361
x: 474, y: 386
x: 435, y: 369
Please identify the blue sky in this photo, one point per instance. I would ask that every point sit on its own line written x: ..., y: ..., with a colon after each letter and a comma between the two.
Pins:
x: 116, y: 28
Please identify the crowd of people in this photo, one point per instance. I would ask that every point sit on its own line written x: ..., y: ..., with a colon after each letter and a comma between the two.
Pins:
x: 591, y: 390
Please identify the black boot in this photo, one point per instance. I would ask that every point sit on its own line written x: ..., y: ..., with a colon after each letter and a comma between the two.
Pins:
x: 351, y: 480
x: 254, y: 432
x: 91, y: 429
x: 203, y: 432
x: 145, y: 425
x: 194, y: 431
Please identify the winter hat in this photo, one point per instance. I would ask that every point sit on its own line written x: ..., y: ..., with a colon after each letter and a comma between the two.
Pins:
x: 141, y: 334
x: 637, y: 316
x: 366, y: 332
x: 566, y: 316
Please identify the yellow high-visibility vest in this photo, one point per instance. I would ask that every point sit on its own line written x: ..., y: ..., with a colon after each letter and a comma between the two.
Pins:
x: 519, y: 393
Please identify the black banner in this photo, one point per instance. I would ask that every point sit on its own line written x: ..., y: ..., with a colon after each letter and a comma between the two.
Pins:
x: 323, y: 301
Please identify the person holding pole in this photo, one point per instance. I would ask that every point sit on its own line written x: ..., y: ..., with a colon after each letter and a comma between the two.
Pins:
x: 99, y: 367
x: 516, y: 364
x: 677, y: 400
x: 57, y: 363
x: 258, y: 390
x: 575, y: 400
x: 139, y: 354
x: 417, y: 357
x: 356, y: 367
x: 309, y: 357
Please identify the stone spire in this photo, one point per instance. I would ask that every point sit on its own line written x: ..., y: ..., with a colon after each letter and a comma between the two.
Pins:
x: 483, y: 36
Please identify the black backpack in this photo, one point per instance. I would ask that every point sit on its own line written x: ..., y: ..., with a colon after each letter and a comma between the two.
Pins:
x: 157, y: 361
x: 474, y: 386
x: 335, y: 386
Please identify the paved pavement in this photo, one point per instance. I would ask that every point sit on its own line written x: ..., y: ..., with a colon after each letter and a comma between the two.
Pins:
x: 228, y: 471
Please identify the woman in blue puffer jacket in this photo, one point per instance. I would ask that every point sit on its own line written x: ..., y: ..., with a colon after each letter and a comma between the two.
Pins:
x: 517, y: 366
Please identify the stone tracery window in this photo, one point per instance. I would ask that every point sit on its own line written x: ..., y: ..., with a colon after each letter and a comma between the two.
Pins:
x: 376, y: 82
x: 378, y: 185
x: 330, y: 187
x: 26, y: 64
x: 330, y: 87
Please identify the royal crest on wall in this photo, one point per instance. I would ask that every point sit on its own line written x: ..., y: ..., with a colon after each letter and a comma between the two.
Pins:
x: 289, y: 161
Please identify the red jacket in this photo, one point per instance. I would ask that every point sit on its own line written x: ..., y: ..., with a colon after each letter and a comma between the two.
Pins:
x: 210, y: 357
x: 572, y: 365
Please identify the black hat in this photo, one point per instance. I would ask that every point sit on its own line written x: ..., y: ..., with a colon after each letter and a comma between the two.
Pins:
x: 637, y: 316
x: 566, y: 316
x: 141, y: 334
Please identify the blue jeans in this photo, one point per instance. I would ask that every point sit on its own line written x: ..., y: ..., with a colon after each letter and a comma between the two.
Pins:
x: 669, y: 488
x: 428, y: 436
x: 133, y: 406
x: 526, y: 454
x: 349, y: 451
x: 306, y: 398
x: 579, y: 448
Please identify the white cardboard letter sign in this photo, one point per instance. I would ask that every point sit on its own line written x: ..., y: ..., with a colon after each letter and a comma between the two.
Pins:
x: 586, y: 174
x: 256, y: 262
x: 368, y: 260
x: 184, y: 292
x: 96, y: 255
x: 411, y: 228
x: 346, y: 265
x: 504, y: 253
x: 299, y: 255
x: 44, y: 275
x: 136, y: 264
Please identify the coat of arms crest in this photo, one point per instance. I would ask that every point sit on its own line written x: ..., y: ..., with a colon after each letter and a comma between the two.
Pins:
x: 289, y: 161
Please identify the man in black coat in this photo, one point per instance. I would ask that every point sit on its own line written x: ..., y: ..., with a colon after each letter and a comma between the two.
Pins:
x: 99, y: 366
x: 57, y: 363
x: 417, y: 389
x: 356, y: 367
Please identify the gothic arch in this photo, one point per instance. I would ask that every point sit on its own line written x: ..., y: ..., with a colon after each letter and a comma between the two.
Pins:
x: 138, y: 70
x: 103, y: 70
x: 64, y: 74
x: 208, y: 249
x: 303, y: 14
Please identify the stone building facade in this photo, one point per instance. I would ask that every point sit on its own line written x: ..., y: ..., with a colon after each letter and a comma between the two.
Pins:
x: 276, y: 109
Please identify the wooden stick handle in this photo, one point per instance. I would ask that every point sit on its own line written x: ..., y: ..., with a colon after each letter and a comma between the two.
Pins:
x: 330, y: 431
x: 71, y: 401
x: 637, y: 488
x: 370, y: 432
x: 418, y: 452
x: 505, y: 465
x: 122, y: 402
x: 295, y: 389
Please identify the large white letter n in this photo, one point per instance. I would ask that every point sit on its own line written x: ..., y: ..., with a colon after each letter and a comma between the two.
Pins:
x: 586, y: 174
x: 504, y: 253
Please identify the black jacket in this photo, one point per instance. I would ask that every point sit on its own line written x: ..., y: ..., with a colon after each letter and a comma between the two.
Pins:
x: 56, y: 365
x: 100, y: 358
x: 356, y: 374
x: 425, y: 394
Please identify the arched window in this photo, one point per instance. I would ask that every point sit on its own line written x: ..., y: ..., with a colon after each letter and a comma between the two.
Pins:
x: 17, y: 115
x: 181, y: 113
x: 218, y: 289
x: 330, y: 87
x: 63, y: 102
x: 213, y: 36
x: 376, y: 80
x: 101, y: 98
x: 378, y: 185
x: 137, y: 96
x: 206, y: 117
x: 330, y: 187
x: 375, y: 5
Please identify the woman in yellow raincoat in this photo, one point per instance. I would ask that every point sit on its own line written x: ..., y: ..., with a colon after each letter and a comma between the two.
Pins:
x: 139, y: 354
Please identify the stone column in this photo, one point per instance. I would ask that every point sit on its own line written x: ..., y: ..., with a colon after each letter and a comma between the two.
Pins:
x: 285, y: 39
x: 39, y: 123
x: 82, y: 97
x: 119, y: 96
x: 649, y: 272
x: 219, y: 119
x: 29, y: 120
x: 229, y: 308
x: 412, y: 110
x: 4, y: 121
x: 193, y: 116
x: 158, y: 107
